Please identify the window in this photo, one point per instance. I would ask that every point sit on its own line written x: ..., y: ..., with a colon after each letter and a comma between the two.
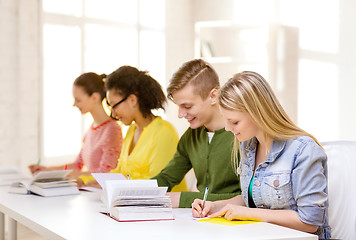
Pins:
x: 92, y: 35
x: 317, y: 79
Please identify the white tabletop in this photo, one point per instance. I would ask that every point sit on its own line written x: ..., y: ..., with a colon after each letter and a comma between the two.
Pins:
x: 77, y: 217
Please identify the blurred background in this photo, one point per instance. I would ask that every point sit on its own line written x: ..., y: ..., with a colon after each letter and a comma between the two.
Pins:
x: 304, y: 48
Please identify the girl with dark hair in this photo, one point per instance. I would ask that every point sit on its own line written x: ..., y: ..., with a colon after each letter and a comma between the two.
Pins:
x: 150, y: 141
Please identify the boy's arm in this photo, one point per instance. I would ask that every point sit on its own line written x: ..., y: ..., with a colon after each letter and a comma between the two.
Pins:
x: 187, y: 198
x: 174, y: 172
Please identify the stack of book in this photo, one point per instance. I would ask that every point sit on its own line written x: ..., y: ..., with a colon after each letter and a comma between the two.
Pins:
x: 47, y: 184
x: 136, y: 200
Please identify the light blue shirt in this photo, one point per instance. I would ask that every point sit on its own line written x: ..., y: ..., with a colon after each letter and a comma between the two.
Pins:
x: 294, y: 176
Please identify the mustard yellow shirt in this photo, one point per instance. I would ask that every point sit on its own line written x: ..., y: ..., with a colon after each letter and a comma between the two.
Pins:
x: 152, y: 152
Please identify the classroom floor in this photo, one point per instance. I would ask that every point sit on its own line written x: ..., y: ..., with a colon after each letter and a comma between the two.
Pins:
x: 24, y: 233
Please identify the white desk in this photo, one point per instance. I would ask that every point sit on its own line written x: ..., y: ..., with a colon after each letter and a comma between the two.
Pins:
x: 77, y: 217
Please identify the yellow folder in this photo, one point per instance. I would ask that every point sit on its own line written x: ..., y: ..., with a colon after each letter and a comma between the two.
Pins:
x: 223, y: 221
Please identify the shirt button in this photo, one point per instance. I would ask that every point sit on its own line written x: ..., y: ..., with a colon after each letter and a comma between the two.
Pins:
x: 276, y: 183
x: 257, y: 183
x: 264, y: 165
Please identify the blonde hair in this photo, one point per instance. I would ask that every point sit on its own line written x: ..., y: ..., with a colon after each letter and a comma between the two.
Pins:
x: 249, y: 92
x: 198, y: 73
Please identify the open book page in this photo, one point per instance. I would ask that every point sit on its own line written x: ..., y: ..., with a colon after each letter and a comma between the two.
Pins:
x: 51, y: 175
x: 54, y: 184
x: 9, y: 175
x: 101, y: 178
x: 47, y: 183
x: 22, y: 187
x: 112, y: 188
x: 140, y: 196
x: 90, y: 189
x: 137, y: 200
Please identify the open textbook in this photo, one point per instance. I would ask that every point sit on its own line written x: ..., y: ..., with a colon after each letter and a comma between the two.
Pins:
x: 47, y: 184
x: 9, y: 175
x: 136, y: 200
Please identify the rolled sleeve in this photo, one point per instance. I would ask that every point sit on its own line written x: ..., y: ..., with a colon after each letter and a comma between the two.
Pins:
x: 312, y: 215
x: 309, y: 179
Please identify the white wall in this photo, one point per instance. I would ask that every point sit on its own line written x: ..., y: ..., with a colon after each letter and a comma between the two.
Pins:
x: 8, y: 83
x: 19, y: 82
x: 179, y: 48
x: 181, y: 17
x: 347, y: 71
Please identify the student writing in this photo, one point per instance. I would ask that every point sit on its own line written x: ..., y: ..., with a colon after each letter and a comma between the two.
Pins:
x: 283, y: 169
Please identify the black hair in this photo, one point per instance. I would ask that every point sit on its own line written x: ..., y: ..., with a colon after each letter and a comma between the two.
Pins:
x: 128, y: 80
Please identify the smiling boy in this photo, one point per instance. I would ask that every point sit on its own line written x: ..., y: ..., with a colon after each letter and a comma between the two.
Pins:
x: 205, y: 146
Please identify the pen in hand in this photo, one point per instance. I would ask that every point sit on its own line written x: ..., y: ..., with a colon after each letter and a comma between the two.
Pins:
x: 204, y: 199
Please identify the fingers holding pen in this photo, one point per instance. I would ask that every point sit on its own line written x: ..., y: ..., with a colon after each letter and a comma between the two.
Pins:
x: 36, y: 168
x: 197, y: 208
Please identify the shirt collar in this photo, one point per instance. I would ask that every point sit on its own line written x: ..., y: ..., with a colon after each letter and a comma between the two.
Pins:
x: 216, y: 131
x: 276, y: 149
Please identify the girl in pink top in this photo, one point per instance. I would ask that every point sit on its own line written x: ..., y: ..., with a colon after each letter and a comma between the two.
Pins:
x: 102, y: 142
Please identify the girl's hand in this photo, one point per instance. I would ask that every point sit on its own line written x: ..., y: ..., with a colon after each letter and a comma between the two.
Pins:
x: 37, y: 168
x: 175, y: 198
x: 232, y: 211
x: 197, y: 210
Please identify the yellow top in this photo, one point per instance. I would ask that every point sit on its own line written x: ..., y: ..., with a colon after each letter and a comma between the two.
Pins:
x: 152, y: 152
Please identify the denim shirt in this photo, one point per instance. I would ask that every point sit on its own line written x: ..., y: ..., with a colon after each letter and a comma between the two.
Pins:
x: 294, y: 177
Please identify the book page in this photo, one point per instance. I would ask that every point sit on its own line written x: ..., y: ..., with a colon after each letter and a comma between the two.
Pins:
x: 139, y: 192
x: 11, y: 175
x: 22, y: 184
x: 101, y: 178
x: 111, y: 186
x: 57, y: 174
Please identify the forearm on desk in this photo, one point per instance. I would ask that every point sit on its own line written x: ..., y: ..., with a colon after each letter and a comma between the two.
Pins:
x: 286, y: 218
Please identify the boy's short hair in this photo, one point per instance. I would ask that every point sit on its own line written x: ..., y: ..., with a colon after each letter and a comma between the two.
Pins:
x: 198, y: 73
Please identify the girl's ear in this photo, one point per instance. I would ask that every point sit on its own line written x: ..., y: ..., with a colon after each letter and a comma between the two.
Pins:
x: 132, y: 99
x: 213, y: 95
x: 96, y: 97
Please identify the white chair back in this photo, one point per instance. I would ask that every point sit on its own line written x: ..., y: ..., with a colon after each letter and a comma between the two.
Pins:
x: 341, y: 187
